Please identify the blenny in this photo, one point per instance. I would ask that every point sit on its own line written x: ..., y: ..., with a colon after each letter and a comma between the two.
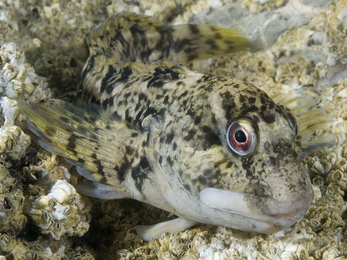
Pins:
x: 209, y: 149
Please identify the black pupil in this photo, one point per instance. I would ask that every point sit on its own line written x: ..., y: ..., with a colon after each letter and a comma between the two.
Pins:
x: 240, y: 136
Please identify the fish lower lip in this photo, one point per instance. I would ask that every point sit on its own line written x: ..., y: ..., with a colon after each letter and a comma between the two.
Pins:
x: 288, y: 216
x: 237, y: 203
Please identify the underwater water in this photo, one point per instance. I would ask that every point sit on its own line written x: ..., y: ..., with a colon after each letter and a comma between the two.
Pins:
x: 300, y: 48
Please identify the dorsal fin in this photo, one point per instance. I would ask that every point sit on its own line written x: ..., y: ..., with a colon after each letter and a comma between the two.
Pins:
x: 128, y: 37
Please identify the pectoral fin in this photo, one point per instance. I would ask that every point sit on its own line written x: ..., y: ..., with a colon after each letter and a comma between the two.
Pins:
x: 155, y: 231
x: 88, y: 138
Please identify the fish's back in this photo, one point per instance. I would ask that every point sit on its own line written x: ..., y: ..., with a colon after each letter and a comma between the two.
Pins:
x: 123, y: 67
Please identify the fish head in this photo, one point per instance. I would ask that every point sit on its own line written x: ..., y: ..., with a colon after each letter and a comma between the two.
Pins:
x: 242, y: 166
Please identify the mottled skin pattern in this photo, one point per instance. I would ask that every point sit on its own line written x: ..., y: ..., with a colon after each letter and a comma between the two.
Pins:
x: 166, y: 139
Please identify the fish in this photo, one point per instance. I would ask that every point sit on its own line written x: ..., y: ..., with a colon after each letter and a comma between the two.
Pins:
x: 209, y: 149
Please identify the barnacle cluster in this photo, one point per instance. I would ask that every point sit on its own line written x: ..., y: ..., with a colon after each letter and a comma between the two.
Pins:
x: 62, y: 211
x: 260, y: 5
x: 13, y: 141
x: 11, y: 203
x: 18, y: 78
x: 39, y: 249
x: 301, y: 50
x: 23, y: 181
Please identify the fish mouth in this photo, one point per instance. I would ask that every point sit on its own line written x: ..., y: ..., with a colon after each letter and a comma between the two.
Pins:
x: 267, y: 210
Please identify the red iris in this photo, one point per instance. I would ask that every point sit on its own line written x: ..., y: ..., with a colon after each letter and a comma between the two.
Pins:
x: 241, y: 138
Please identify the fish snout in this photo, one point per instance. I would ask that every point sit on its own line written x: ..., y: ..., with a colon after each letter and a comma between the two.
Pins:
x: 284, y: 198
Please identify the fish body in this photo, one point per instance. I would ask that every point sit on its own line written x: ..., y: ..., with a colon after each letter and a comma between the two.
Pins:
x: 209, y: 149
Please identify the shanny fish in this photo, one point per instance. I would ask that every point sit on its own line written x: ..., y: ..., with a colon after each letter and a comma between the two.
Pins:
x: 208, y: 149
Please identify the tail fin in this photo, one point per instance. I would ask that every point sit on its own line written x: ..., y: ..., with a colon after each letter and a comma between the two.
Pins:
x: 128, y: 37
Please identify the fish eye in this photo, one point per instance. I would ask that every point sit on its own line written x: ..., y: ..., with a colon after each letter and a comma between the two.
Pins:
x: 241, y: 137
